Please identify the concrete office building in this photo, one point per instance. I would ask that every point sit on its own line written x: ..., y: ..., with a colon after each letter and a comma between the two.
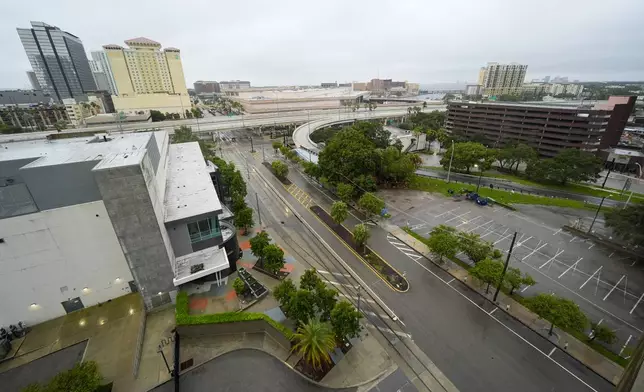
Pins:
x: 234, y: 85
x: 500, y: 79
x: 99, y: 57
x: 33, y: 80
x: 58, y: 59
x: 206, y: 87
x: 547, y: 128
x: 147, y: 78
x: 87, y: 219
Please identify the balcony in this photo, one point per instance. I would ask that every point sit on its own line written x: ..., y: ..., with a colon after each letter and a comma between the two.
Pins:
x: 204, y: 230
x: 199, y: 264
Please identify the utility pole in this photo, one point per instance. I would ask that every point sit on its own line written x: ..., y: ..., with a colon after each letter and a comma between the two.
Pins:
x: 252, y: 149
x: 505, y: 267
x: 596, y: 213
x: 480, y: 175
x: 263, y: 155
x: 449, y: 170
x: 259, y: 214
x: 359, y: 287
x: 247, y: 171
x: 612, y: 165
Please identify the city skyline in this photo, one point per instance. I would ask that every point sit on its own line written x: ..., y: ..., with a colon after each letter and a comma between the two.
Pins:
x: 288, y: 43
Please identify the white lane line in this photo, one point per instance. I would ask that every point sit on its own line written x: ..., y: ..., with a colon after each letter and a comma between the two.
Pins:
x: 625, y: 344
x: 557, y: 232
x: 447, y: 212
x: 571, y: 267
x: 525, y: 288
x: 334, y: 273
x: 362, y: 299
x: 502, y: 239
x: 390, y: 331
x: 520, y: 243
x: 468, y: 221
x: 404, y: 249
x: 590, y: 277
x: 591, y: 246
x: 342, y: 284
x: 509, y: 329
x: 534, y: 250
x: 381, y: 315
x: 397, y: 243
x: 600, y: 321
x: 492, y: 311
x: 611, y: 255
x: 573, y: 238
x: 451, y: 280
x: 552, y: 351
x: 611, y: 290
x: 552, y: 258
x: 457, y: 217
x: 413, y: 256
x: 479, y: 226
x: 636, y: 303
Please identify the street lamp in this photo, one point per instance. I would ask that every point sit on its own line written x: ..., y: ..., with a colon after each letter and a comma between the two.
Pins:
x: 480, y: 175
x: 596, y: 213
x: 640, y: 170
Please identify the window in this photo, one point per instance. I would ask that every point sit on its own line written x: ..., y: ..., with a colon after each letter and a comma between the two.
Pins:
x: 203, y: 229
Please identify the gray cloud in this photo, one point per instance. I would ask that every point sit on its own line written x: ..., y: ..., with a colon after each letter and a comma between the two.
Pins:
x: 301, y: 42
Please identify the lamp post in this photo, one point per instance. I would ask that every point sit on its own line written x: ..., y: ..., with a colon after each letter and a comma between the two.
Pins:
x: 480, y: 175
x: 596, y: 213
x: 449, y: 169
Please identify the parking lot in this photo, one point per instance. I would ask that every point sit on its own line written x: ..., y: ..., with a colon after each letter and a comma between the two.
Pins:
x: 608, y: 288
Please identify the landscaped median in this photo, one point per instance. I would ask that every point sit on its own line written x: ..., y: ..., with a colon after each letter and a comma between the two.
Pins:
x: 184, y: 318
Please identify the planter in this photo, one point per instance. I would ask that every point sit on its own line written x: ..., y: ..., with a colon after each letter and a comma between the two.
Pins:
x: 395, y: 280
x: 284, y: 181
x: 309, y: 371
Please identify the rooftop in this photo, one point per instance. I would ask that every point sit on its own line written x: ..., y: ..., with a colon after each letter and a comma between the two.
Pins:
x: 142, y: 41
x: 189, y: 189
x: 530, y: 105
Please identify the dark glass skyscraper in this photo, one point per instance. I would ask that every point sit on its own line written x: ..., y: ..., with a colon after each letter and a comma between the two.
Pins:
x: 58, y: 59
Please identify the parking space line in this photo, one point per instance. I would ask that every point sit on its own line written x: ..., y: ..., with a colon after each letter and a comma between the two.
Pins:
x: 468, y: 221
x: 479, y: 226
x: 451, y: 280
x: 525, y: 288
x: 590, y: 277
x: 446, y: 212
x: 571, y: 267
x: 591, y: 246
x: 502, y: 239
x: 520, y: 243
x: 611, y: 290
x: 534, y: 250
x: 552, y: 351
x: 625, y: 344
x: 573, y: 238
x: 557, y: 232
x: 552, y: 258
x: 492, y: 311
x: 457, y: 217
x: 636, y: 303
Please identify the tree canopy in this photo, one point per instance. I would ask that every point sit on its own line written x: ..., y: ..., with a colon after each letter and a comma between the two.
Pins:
x: 280, y: 169
x: 371, y: 204
x: 259, y: 243
x: 514, y: 279
x: 361, y: 234
x: 339, y: 212
x: 487, y: 271
x: 244, y: 219
x: 468, y: 154
x: 628, y: 223
x: 474, y: 247
x: 345, y: 320
x: 314, y: 341
x: 344, y: 191
x: 273, y: 258
x: 559, y: 311
x: 515, y: 154
x: 570, y: 165
x: 444, y: 244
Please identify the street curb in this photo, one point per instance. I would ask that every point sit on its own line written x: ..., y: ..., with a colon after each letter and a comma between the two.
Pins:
x: 514, y: 317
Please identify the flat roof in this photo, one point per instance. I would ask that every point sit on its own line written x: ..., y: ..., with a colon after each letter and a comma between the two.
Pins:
x: 119, y: 150
x: 532, y: 105
x: 189, y: 190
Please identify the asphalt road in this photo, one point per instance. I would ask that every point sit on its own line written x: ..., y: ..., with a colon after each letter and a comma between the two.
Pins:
x: 452, y: 325
x: 519, y: 188
x: 244, y: 370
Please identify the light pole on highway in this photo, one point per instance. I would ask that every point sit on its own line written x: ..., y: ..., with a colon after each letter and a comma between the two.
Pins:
x: 308, y: 113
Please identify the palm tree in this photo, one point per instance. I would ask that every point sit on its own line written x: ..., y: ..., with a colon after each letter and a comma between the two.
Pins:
x: 314, y: 341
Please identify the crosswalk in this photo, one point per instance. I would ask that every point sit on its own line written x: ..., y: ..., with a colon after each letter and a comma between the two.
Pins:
x: 412, y: 254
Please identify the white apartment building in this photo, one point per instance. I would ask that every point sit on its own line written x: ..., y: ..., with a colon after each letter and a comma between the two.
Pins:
x: 90, y: 218
x: 498, y: 79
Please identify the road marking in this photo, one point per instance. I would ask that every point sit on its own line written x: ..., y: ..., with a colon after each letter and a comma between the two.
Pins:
x: 525, y: 288
x: 455, y: 278
x: 573, y: 238
x: 600, y: 321
x: 502, y: 239
x: 637, y: 303
x: 355, y: 298
x: 468, y: 221
x: 552, y: 351
x: 520, y: 243
x: 334, y: 273
x: 590, y: 277
x: 611, y: 255
x: 380, y: 315
x: 534, y: 250
x: 390, y: 331
x: 343, y: 284
x: 479, y: 226
x: 493, y: 310
x: 569, y: 268
x: 611, y: 290
x: 413, y: 256
x: 447, y: 212
x: 625, y: 344
x: 591, y: 246
x: 552, y: 258
x: 457, y: 216
x: 509, y: 329
x: 557, y: 232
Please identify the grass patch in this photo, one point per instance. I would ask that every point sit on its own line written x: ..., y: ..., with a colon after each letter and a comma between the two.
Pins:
x: 428, y: 184
x: 183, y: 317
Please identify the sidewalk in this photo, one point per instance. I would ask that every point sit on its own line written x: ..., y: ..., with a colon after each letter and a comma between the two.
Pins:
x: 577, y: 349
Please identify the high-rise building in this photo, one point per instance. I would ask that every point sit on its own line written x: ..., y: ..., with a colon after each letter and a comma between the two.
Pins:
x: 147, y: 78
x: 33, y: 80
x: 100, y: 77
x: 481, y: 77
x: 499, y: 79
x: 58, y: 59
x: 100, y: 59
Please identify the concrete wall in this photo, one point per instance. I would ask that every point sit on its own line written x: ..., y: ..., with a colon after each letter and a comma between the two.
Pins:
x: 61, y: 185
x: 130, y: 206
x: 180, y: 239
x: 50, y: 256
x: 162, y: 102
x: 237, y: 327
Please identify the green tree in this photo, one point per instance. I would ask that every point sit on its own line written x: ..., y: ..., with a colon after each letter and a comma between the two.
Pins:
x: 487, y: 271
x: 371, y: 204
x: 514, y: 279
x: 238, y: 203
x: 60, y: 125
x: 348, y: 155
x: 184, y: 134
x: 276, y: 146
x: 244, y: 219
x: 345, y: 320
x: 314, y: 342
x: 280, y: 169
x: 558, y: 311
x: 325, y: 299
x: 273, y: 258
x: 515, y: 154
x: 444, y: 244
x: 310, y: 279
x: 83, y: 377
x: 603, y: 333
x: 284, y: 292
x: 474, y: 247
x: 344, y: 191
x: 395, y: 167
x: 339, y: 212
x: 302, y: 306
x: 311, y: 169
x: 156, y: 116
x: 239, y: 286
x: 361, y: 234
x: 259, y: 243
x: 570, y: 165
x: 468, y: 154
x: 628, y: 223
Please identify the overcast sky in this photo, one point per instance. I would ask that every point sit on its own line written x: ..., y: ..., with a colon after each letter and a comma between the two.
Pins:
x: 273, y: 42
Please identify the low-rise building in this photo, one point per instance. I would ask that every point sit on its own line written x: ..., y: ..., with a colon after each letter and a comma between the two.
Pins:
x: 206, y: 87
x: 90, y: 218
x: 234, y: 85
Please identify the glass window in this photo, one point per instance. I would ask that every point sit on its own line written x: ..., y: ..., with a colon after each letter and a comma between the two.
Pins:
x: 203, y: 229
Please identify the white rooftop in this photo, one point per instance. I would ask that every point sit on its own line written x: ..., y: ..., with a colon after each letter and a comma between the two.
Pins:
x: 189, y: 190
x: 214, y: 259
